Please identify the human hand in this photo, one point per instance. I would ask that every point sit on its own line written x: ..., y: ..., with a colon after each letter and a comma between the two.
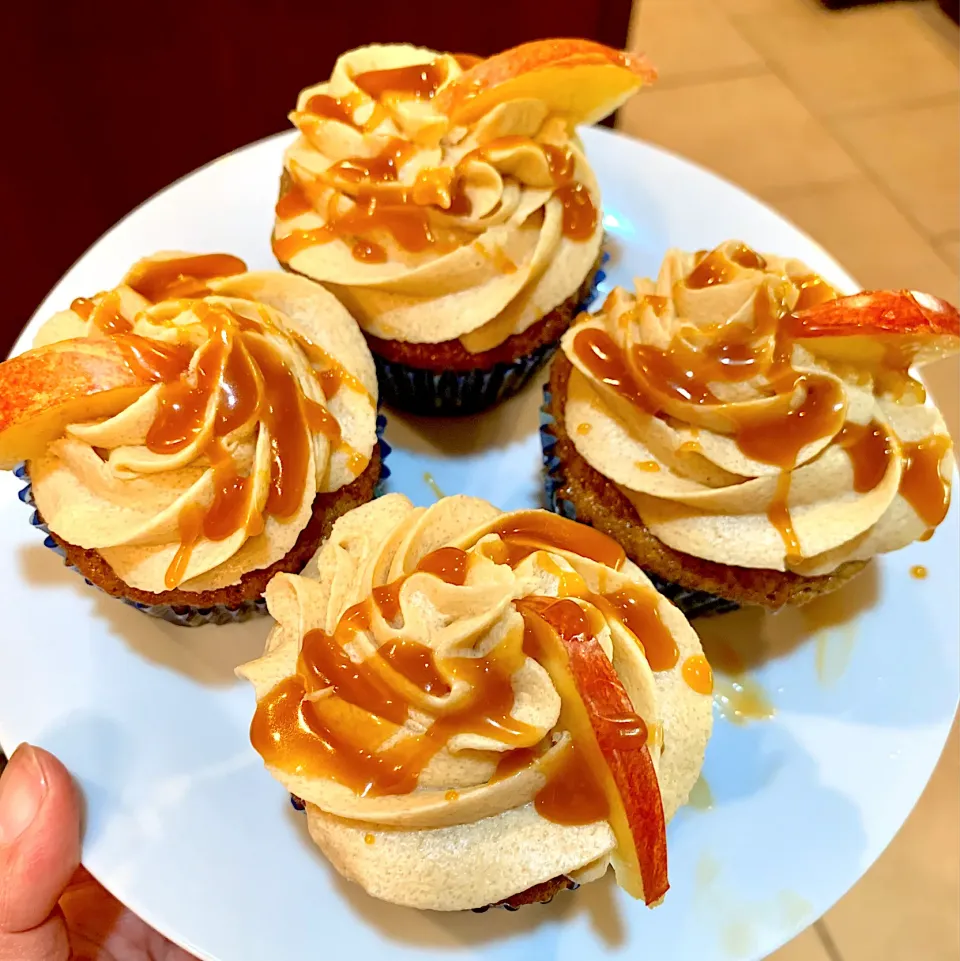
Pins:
x: 51, y: 909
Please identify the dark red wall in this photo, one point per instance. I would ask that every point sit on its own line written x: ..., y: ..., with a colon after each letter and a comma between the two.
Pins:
x: 105, y: 102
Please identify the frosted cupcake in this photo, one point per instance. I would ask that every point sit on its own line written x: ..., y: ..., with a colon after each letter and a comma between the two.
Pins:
x: 480, y: 708
x: 745, y: 434
x: 193, y: 431
x: 451, y: 208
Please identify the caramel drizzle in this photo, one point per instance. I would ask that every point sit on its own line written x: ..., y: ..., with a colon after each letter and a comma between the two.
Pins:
x: 922, y: 483
x: 341, y: 733
x: 182, y: 277
x: 235, y: 378
x: 806, y: 407
x: 382, y: 205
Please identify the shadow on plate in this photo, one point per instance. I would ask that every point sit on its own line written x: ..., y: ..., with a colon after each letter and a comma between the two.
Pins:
x: 770, y: 809
x: 205, y: 654
x: 749, y: 638
x: 507, y: 423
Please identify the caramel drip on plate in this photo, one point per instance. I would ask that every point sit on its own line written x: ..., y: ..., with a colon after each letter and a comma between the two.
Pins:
x: 742, y: 700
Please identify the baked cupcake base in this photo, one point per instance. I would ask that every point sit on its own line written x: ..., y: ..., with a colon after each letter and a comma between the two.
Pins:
x: 698, y: 587
x: 238, y: 602
x: 447, y: 380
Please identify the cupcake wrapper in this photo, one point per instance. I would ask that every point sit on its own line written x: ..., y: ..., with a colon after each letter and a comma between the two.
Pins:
x: 186, y: 616
x: 465, y: 392
x: 691, y: 603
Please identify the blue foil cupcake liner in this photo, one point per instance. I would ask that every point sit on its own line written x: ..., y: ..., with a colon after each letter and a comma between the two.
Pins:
x: 691, y: 603
x: 458, y: 393
x: 175, y: 614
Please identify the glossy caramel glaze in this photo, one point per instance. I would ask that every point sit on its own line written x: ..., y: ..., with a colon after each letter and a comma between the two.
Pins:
x: 801, y: 408
x: 380, y: 205
x: 232, y: 379
x: 922, y: 483
x: 182, y: 276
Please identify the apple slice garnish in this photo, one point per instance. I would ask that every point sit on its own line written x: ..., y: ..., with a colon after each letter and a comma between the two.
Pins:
x: 580, y: 79
x: 68, y: 382
x: 894, y: 327
x: 611, y: 736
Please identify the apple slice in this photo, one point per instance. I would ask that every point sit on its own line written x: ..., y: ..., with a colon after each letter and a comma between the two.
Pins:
x: 580, y: 79
x: 44, y: 390
x: 893, y: 327
x: 611, y: 736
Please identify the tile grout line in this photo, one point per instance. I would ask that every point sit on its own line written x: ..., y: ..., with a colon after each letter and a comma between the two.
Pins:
x: 854, y: 155
x: 947, y: 236
x: 879, y: 183
x: 700, y: 77
x: 904, y: 106
x: 826, y: 939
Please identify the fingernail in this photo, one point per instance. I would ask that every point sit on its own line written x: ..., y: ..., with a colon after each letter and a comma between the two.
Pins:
x: 23, y: 787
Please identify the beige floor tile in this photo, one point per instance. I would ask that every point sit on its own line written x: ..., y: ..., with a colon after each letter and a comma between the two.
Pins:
x: 950, y: 251
x: 843, y: 61
x: 941, y: 29
x: 763, y: 7
x: 905, y: 909
x: 706, y: 44
x: 868, y: 235
x: 805, y: 947
x: 752, y: 130
x: 915, y: 151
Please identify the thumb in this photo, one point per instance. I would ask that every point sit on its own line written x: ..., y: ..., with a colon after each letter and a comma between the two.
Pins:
x: 39, y: 853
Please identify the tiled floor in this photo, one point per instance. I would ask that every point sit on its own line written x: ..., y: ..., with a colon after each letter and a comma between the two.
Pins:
x: 849, y: 124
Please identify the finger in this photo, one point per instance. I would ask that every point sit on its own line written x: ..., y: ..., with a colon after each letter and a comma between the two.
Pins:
x: 100, y: 926
x: 39, y: 852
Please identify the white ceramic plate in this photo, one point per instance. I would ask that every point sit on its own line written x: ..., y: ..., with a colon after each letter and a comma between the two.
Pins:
x: 184, y: 825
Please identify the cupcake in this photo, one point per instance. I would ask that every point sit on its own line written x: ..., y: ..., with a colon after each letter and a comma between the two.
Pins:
x: 448, y: 203
x: 479, y: 708
x: 193, y: 431
x: 748, y: 436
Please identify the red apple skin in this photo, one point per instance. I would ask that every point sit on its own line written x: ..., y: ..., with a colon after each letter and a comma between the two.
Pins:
x: 900, y: 312
x: 620, y: 735
x: 468, y: 96
x: 70, y: 381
